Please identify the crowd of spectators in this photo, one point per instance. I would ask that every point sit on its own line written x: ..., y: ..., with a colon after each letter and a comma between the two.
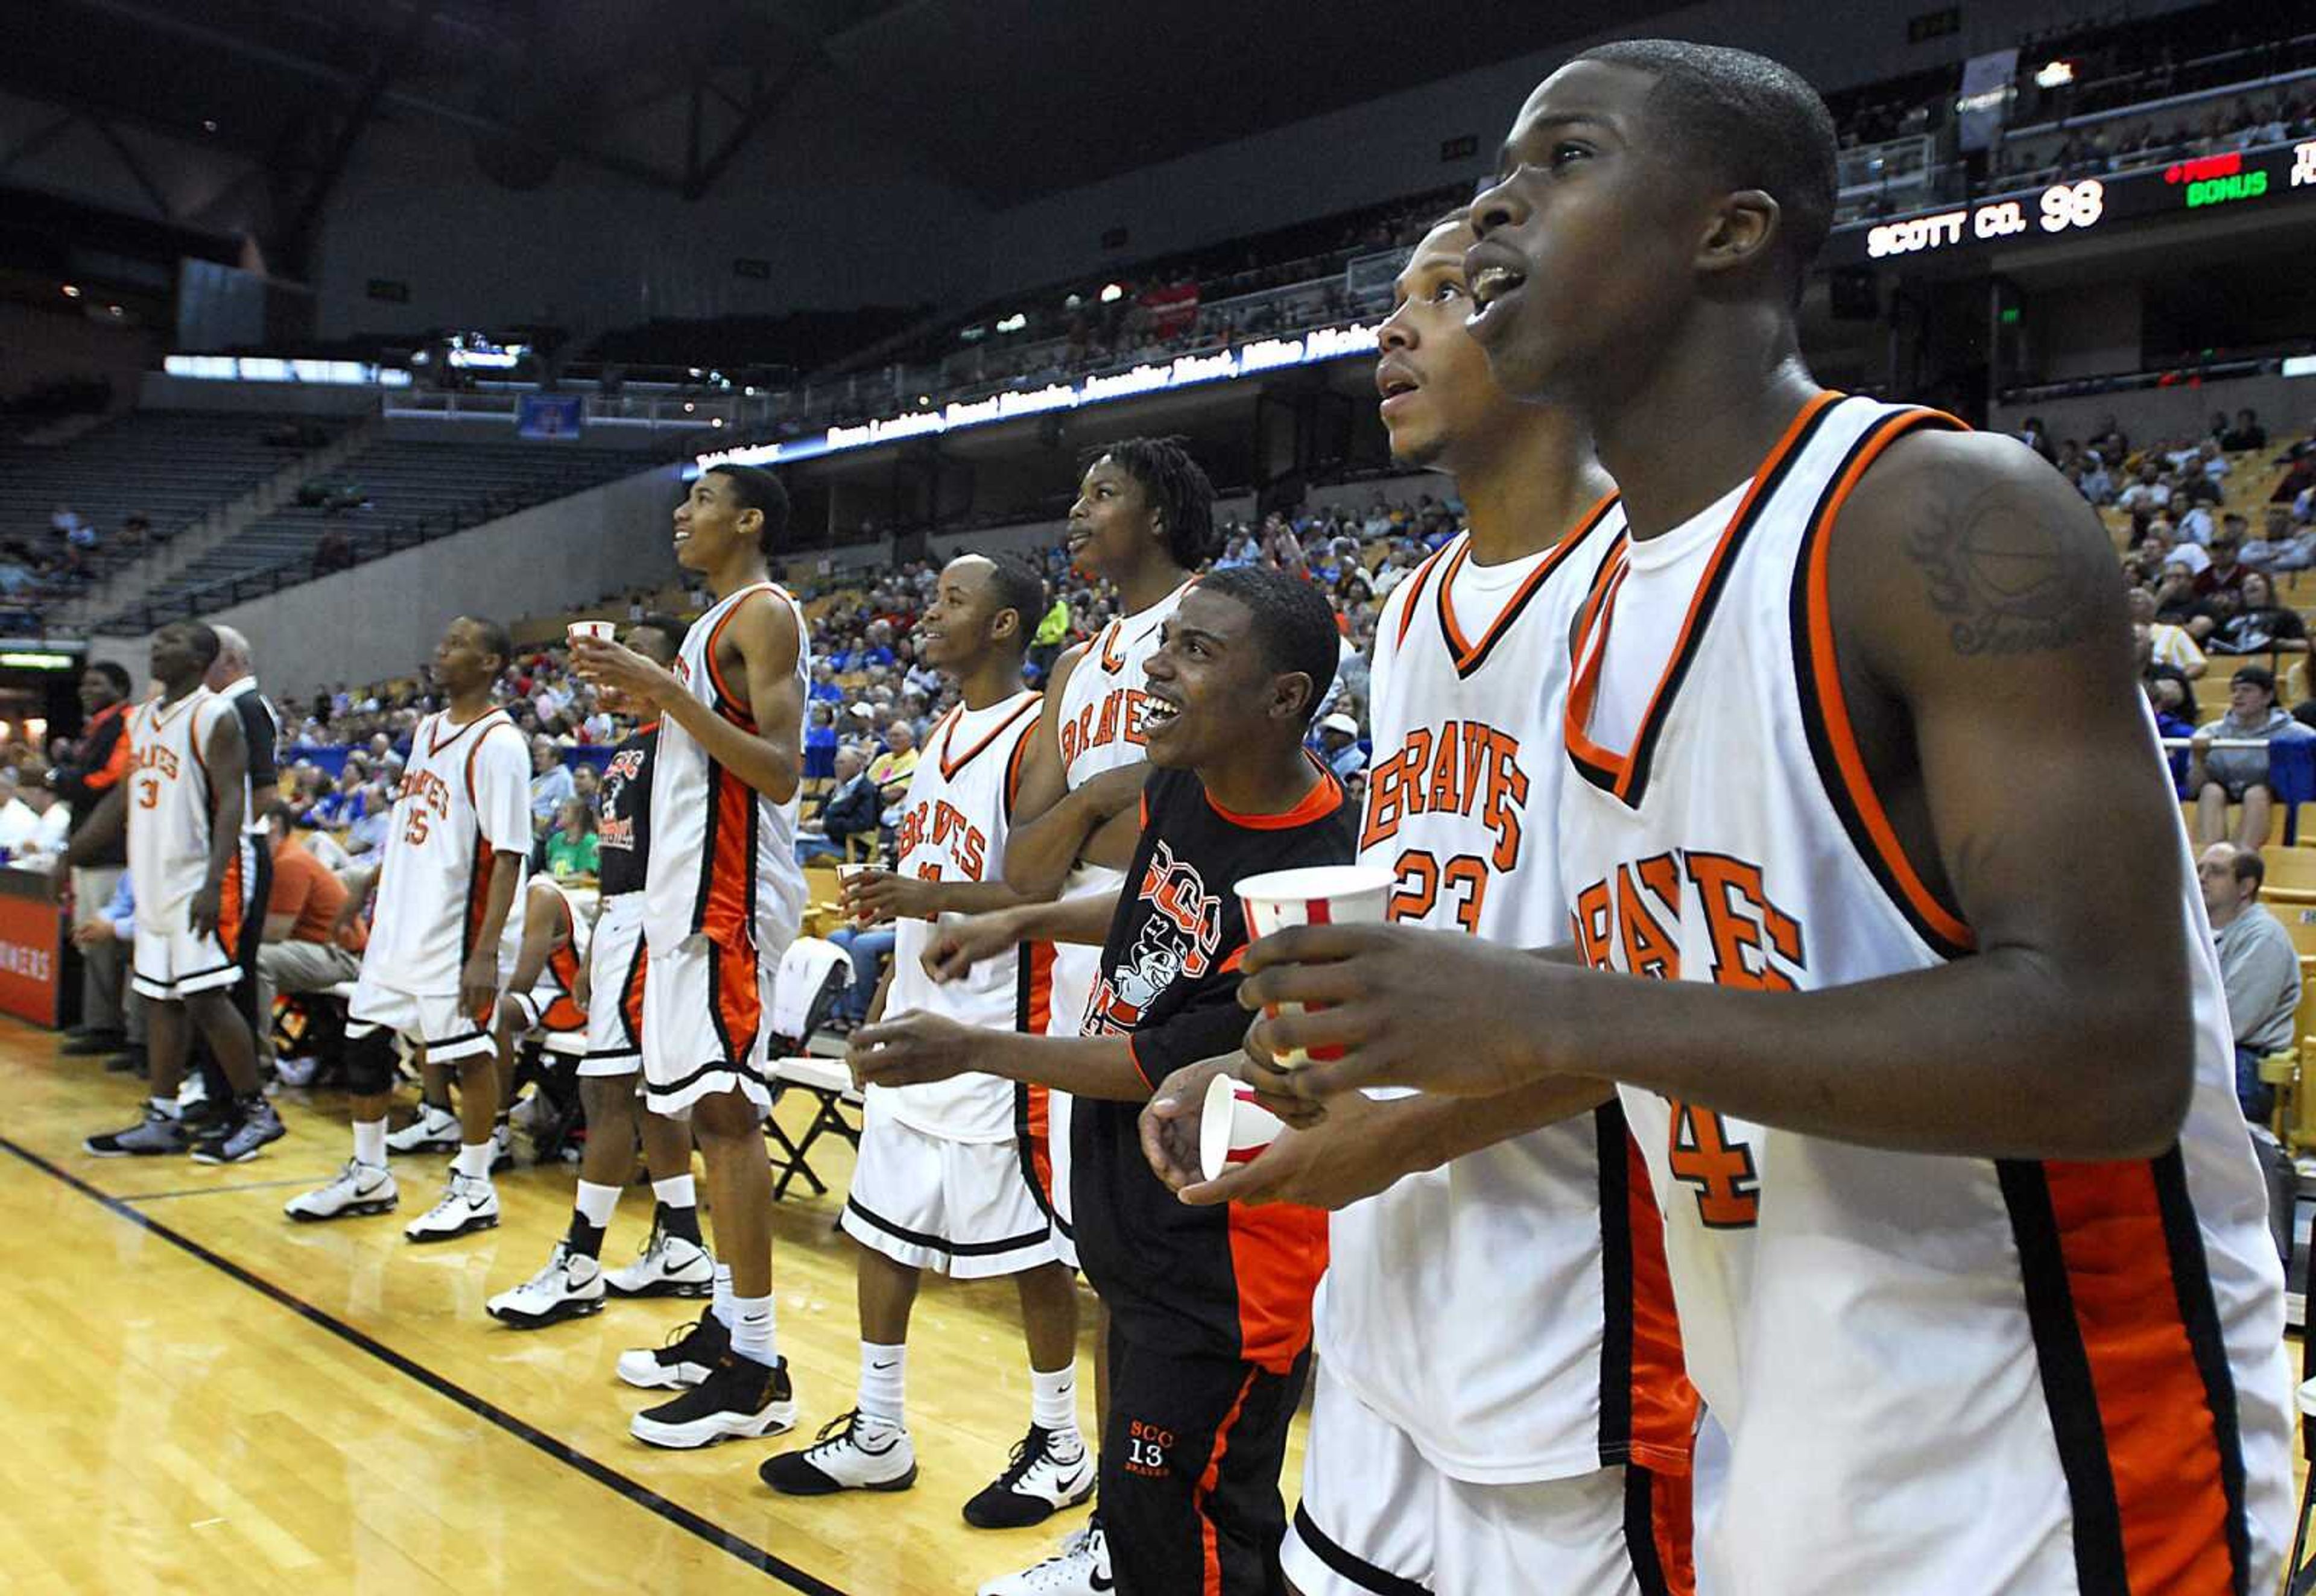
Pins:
x: 37, y: 569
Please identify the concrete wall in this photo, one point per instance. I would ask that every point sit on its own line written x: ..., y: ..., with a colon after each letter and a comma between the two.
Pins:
x: 2090, y: 331
x: 1391, y: 146
x: 381, y: 620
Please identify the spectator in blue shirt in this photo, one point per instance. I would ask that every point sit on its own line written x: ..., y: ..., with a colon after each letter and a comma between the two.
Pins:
x: 1339, y: 745
x: 823, y: 688
x: 820, y: 743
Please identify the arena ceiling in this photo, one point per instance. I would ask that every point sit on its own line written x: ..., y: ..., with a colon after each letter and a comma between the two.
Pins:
x: 1010, y: 99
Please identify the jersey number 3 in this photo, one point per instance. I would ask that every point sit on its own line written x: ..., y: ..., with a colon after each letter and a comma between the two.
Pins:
x: 1728, y: 1187
x: 1420, y: 877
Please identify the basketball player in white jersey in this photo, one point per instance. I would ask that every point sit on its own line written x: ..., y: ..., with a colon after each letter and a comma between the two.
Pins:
x: 180, y: 802
x: 610, y: 990
x: 1144, y: 522
x: 1552, y: 1430
x: 447, y: 926
x: 723, y: 897
x: 1934, y: 1075
x: 941, y: 1183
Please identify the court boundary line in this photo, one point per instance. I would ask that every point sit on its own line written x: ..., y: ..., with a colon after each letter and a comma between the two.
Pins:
x: 683, y: 1517
x: 214, y: 1191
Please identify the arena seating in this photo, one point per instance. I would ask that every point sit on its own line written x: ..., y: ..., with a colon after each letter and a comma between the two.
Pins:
x: 174, y: 467
x: 412, y: 491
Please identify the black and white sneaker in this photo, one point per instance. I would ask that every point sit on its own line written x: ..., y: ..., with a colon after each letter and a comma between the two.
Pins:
x: 668, y: 1266
x: 691, y: 1351
x: 739, y: 1399
x: 466, y: 1206
x: 236, y: 1139
x: 1080, y: 1569
x: 851, y: 1453
x: 155, y: 1136
x: 1040, y: 1480
x: 360, y: 1189
x: 570, y: 1287
x: 434, y: 1130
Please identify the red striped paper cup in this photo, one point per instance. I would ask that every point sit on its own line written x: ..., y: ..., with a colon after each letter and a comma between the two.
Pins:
x: 1315, y: 895
x: 1233, y: 1127
x: 600, y: 631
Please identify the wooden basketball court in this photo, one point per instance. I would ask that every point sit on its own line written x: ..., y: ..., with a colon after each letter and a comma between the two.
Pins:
x: 209, y: 1397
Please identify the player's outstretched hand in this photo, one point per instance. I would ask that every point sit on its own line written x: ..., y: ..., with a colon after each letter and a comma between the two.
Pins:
x: 957, y: 945
x: 616, y: 665
x: 1436, y: 1010
x: 912, y: 1051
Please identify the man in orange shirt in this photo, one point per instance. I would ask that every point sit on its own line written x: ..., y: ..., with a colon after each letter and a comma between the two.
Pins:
x: 300, y: 952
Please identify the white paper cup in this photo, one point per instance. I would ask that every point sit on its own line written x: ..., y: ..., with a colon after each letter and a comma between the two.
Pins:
x: 845, y: 872
x: 601, y: 631
x: 1317, y: 895
x: 1233, y: 1127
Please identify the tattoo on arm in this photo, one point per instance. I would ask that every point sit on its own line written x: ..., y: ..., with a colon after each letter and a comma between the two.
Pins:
x: 2008, y: 580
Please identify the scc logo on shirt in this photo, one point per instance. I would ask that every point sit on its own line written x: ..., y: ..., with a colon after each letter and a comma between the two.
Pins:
x: 1178, y: 940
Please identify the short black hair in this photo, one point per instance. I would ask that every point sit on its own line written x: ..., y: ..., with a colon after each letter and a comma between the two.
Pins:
x: 281, y: 812
x: 1176, y: 486
x: 1292, y: 622
x: 1022, y: 589
x: 495, y: 638
x: 667, y: 627
x: 2249, y: 866
x: 202, y: 639
x: 1755, y: 123
x: 115, y: 672
x: 758, y: 489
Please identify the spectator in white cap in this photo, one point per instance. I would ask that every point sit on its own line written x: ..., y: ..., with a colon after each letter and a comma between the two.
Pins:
x: 1339, y: 745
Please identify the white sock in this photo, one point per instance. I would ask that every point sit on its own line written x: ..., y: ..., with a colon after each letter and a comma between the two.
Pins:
x: 595, y: 1203
x: 719, y: 1302
x: 1054, y: 1400
x: 474, y: 1160
x: 884, y: 1382
x: 677, y: 1191
x: 752, y: 1329
x: 167, y: 1107
x: 369, y: 1143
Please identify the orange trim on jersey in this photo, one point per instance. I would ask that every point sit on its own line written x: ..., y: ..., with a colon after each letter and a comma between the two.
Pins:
x: 1210, y: 1559
x: 474, y: 753
x: 478, y: 897
x: 1102, y: 648
x: 2154, y: 1410
x: 565, y: 1013
x: 1414, y: 586
x: 116, y: 766
x: 1664, y: 1404
x: 1834, y: 707
x: 1324, y: 798
x: 1278, y: 1253
x: 1672, y: 1527
x: 730, y: 705
x: 1469, y: 654
x: 435, y: 745
x: 728, y: 907
x: 1592, y: 642
x: 631, y: 999
x: 947, y: 733
x: 1020, y: 759
x: 739, y: 1004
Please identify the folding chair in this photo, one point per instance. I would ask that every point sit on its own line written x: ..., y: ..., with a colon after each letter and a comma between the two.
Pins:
x: 830, y: 1085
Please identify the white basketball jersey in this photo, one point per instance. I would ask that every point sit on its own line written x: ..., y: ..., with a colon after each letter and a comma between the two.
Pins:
x: 1546, y: 1375
x: 1102, y: 708
x: 465, y: 796
x: 722, y: 858
x: 169, y: 804
x: 556, y: 991
x: 953, y: 827
x: 1936, y: 1374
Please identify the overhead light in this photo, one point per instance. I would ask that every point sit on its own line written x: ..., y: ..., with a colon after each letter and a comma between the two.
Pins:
x: 925, y: 398
x: 2056, y: 75
x: 717, y: 422
x: 112, y: 310
x: 72, y: 290
x: 688, y: 407
x: 1112, y: 293
x: 209, y: 124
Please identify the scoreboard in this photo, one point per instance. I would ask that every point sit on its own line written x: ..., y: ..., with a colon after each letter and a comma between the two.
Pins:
x: 2266, y: 179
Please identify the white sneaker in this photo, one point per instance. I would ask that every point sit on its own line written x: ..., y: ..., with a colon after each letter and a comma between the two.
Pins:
x: 467, y: 1205
x: 435, y: 1130
x: 691, y: 1351
x: 570, y: 1287
x: 851, y: 1453
x: 360, y: 1189
x: 192, y: 1092
x: 502, y: 1148
x: 1080, y: 1569
x: 296, y: 1072
x: 668, y: 1266
x: 1049, y: 1471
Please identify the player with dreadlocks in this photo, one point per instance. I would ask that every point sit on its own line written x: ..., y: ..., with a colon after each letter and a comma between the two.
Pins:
x: 1144, y: 522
